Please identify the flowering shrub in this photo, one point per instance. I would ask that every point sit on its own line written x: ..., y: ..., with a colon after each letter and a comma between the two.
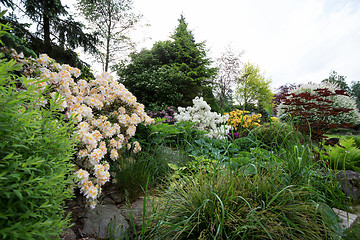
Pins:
x: 240, y: 120
x: 105, y: 112
x: 318, y: 108
x: 168, y: 114
x: 204, y: 119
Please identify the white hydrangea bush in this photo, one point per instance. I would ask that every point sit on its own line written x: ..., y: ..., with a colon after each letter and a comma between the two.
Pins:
x: 200, y: 113
x: 338, y: 101
x: 105, y: 112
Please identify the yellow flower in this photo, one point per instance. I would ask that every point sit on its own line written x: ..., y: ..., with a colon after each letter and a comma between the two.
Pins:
x: 239, y: 118
x: 274, y: 119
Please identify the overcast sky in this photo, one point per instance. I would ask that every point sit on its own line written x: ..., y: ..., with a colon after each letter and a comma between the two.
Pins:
x: 293, y: 41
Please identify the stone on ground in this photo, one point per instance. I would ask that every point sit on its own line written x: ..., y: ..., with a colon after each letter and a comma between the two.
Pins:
x: 105, y: 221
x: 350, y: 183
x: 347, y: 219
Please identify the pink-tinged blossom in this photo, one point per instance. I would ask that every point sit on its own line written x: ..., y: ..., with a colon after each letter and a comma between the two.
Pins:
x: 81, y: 101
x: 114, y: 154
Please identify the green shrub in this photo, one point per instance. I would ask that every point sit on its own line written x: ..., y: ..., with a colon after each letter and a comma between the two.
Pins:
x: 35, y: 167
x: 244, y: 143
x: 181, y: 134
x: 276, y: 135
x: 357, y: 141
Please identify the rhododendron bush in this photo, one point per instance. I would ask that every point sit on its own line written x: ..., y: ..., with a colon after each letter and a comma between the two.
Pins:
x: 204, y: 119
x: 105, y: 112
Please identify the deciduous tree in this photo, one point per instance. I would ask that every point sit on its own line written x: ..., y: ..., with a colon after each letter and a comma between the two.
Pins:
x: 229, y: 70
x: 337, y: 79
x: 317, y: 108
x: 112, y: 20
x: 253, y: 87
x: 355, y: 92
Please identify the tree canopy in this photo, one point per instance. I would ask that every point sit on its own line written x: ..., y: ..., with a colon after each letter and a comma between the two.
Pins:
x: 337, y: 79
x: 111, y: 20
x: 173, y: 72
x: 253, y: 87
x: 57, y: 33
x: 57, y: 26
x: 355, y: 92
x: 229, y: 71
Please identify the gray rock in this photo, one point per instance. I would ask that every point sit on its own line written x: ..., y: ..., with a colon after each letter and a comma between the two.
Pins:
x: 105, y: 221
x: 68, y: 234
x: 116, y: 197
x: 135, y: 210
x: 347, y: 219
x: 350, y: 183
x: 108, y: 200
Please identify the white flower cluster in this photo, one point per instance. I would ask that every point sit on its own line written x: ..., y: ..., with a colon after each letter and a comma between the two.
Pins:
x: 338, y: 101
x: 102, y: 136
x: 200, y: 113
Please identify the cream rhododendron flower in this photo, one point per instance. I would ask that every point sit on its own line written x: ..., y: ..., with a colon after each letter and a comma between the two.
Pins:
x: 114, y: 154
x: 137, y: 147
x: 80, y: 101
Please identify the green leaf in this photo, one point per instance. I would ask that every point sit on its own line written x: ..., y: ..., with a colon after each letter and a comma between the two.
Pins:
x: 18, y: 194
x: 173, y: 166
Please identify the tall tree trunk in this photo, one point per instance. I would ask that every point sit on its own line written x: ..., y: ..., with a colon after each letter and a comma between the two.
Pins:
x: 108, y: 37
x: 46, y: 28
x: 222, y: 99
x: 107, y: 54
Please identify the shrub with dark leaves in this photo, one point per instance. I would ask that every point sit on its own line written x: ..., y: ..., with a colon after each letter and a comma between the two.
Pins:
x: 168, y: 114
x: 316, y: 110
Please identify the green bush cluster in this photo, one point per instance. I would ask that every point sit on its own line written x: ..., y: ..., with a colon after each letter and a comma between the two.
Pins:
x: 275, y: 135
x: 35, y: 162
x: 220, y: 149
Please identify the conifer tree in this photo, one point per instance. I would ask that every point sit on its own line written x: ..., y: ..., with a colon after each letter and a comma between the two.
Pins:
x: 172, y: 73
x: 192, y: 61
x: 49, y: 15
